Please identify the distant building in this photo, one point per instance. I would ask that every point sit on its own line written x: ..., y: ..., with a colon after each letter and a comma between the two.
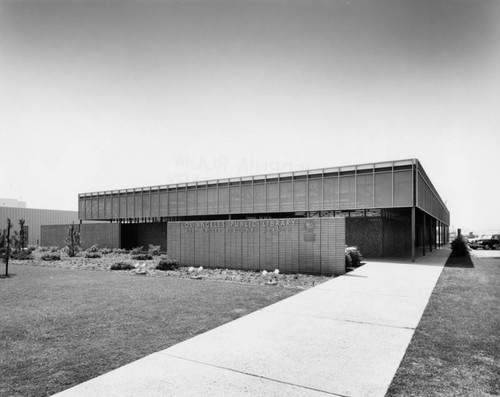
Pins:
x: 13, y: 203
x: 34, y: 219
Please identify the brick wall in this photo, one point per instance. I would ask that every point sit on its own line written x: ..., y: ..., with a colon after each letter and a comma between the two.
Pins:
x: 102, y: 234
x: 378, y: 237
x: 397, y: 236
x: 305, y: 245
x: 366, y: 234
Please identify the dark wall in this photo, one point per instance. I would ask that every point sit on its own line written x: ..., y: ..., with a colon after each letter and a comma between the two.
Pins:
x: 53, y: 235
x: 143, y: 234
x: 397, y: 237
x: 366, y: 234
x: 102, y: 234
x: 379, y: 237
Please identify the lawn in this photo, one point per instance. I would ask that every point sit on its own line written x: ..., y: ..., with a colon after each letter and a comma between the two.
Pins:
x: 60, y: 327
x: 455, y: 350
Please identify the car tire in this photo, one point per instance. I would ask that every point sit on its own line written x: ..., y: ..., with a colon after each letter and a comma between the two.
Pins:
x: 486, y: 247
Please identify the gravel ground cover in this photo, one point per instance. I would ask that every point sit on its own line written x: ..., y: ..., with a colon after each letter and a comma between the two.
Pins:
x: 298, y: 281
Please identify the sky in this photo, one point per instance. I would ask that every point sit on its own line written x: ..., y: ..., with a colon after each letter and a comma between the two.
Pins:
x: 110, y: 94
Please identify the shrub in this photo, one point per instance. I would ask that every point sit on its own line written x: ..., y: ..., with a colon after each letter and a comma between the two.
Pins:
x: 51, y: 257
x: 93, y: 255
x: 168, y: 264
x: 353, y: 257
x: 3, y: 238
x: 53, y: 249
x: 121, y: 266
x: 93, y: 248
x: 43, y: 249
x: 154, y: 250
x: 119, y: 251
x: 136, y: 251
x: 459, y: 247
x: 105, y: 251
x: 23, y: 255
x: 142, y: 257
x: 19, y: 237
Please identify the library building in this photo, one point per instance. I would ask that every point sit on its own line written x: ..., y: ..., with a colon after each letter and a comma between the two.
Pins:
x: 299, y: 221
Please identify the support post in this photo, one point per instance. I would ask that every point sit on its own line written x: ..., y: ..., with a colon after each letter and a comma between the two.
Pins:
x: 438, y: 234
x: 431, y: 234
x: 413, y: 233
x: 424, y: 234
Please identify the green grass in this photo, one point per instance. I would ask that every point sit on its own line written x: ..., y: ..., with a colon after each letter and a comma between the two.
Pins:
x: 455, y: 350
x: 60, y: 327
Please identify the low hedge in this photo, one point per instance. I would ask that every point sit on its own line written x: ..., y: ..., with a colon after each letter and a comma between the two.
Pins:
x: 51, y: 257
x: 142, y: 257
x: 154, y: 250
x: 121, y: 266
x: 136, y: 250
x: 22, y: 255
x: 168, y: 264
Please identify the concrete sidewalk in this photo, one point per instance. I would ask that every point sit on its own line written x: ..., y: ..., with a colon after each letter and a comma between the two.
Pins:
x: 345, y: 337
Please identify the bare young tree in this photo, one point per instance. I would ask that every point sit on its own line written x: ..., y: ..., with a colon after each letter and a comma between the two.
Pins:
x: 7, y: 241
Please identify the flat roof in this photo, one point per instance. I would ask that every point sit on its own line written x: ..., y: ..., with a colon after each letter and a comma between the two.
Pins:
x: 262, y: 177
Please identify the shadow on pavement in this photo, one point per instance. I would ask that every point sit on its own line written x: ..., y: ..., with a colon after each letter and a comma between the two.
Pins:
x: 354, y: 275
x: 459, y: 261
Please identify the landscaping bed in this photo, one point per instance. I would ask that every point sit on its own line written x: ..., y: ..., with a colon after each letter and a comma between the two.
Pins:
x: 148, y: 268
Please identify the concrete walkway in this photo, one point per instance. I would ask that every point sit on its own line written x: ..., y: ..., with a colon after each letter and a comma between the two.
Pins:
x: 345, y: 337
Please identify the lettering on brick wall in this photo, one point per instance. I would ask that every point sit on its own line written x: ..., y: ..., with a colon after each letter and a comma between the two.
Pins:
x: 239, y: 226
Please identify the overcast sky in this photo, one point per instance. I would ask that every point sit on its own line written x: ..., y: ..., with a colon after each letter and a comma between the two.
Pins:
x: 100, y: 95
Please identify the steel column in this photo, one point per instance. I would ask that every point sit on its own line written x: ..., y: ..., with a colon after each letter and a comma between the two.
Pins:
x: 413, y: 233
x: 424, y: 234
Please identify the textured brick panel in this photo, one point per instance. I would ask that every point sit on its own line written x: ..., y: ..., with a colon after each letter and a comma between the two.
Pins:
x: 397, y: 236
x: 366, y: 234
x: 102, y: 234
x: 314, y: 245
x: 174, y: 241
x: 202, y: 248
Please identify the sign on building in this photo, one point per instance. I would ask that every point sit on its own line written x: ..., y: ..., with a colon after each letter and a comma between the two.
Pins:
x: 292, y: 245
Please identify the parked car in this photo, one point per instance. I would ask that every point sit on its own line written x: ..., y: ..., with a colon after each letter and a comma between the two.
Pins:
x: 487, y: 242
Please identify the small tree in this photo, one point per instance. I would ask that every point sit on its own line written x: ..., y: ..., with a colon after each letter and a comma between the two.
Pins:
x: 73, y: 240
x: 7, y: 247
x: 19, y: 238
x: 22, y: 233
x: 459, y: 247
x: 3, y: 239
